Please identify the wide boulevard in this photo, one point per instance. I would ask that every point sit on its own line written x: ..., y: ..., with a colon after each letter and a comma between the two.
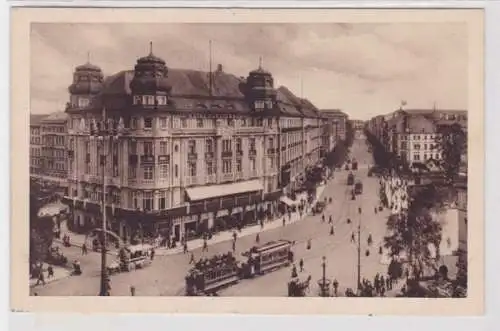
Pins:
x: 165, y: 276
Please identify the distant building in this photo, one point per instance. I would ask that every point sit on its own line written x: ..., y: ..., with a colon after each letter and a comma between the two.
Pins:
x: 413, y: 134
x: 335, y: 127
x: 36, y: 164
x: 54, y: 132
x: 197, y: 151
x: 358, y: 125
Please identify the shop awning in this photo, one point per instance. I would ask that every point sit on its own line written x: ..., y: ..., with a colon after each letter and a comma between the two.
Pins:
x: 216, y: 191
x: 287, y: 201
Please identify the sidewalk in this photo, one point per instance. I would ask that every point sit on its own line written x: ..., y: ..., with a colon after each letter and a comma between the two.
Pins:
x: 77, y: 240
x: 59, y: 273
x: 247, y: 231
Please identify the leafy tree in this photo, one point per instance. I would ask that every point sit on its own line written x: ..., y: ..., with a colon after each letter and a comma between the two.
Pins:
x: 349, y: 134
x: 461, y: 280
x: 452, y: 143
x: 41, y: 228
x: 413, y: 231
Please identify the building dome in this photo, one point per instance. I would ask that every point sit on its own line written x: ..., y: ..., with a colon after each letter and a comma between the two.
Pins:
x: 87, y: 79
x: 260, y: 83
x: 150, y: 75
x: 260, y: 72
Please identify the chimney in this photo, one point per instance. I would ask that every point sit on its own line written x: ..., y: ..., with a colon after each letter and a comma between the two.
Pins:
x: 219, y: 68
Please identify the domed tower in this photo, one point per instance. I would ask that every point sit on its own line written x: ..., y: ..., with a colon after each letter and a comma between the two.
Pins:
x: 87, y: 82
x: 149, y: 85
x: 260, y: 87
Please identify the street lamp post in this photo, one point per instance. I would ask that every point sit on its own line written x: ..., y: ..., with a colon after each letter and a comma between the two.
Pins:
x: 324, y: 283
x: 104, y: 132
x: 359, y: 250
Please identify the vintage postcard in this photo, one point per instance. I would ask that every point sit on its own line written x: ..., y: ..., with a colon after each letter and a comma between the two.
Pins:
x: 247, y: 161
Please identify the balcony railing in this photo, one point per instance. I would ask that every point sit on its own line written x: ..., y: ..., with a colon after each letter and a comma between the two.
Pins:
x: 209, y: 155
x: 250, y: 129
x: 252, y: 153
x: 227, y: 177
x: 210, y: 179
x: 239, y: 153
x: 227, y: 154
x: 191, y: 180
x: 189, y: 131
x: 192, y: 156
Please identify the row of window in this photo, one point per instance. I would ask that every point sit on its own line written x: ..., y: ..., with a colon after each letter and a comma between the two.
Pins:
x: 35, y: 140
x: 290, y: 122
x: 148, y: 146
x: 35, y: 152
x: 53, y: 129
x: 419, y: 137
x: 404, y: 145
x: 58, y: 153
x: 53, y: 140
x: 453, y: 117
x: 164, y: 169
x: 416, y: 157
x: 163, y: 123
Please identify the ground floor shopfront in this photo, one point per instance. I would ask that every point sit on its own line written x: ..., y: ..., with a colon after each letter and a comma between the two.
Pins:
x: 188, y: 221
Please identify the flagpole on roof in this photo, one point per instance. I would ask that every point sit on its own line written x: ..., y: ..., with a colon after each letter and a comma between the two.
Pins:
x: 210, y: 67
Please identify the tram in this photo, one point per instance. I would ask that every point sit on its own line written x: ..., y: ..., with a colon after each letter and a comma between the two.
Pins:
x: 211, y: 275
x: 132, y: 257
x: 268, y: 257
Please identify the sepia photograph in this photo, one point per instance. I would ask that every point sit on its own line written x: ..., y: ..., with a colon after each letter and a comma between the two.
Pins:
x: 249, y: 159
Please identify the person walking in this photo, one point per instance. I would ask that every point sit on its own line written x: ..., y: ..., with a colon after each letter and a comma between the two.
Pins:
x: 132, y: 291
x: 50, y: 271
x: 301, y: 265
x: 330, y: 220
x: 191, y: 260
x: 332, y: 231
x: 84, y: 249
x: 323, y: 218
x: 353, y: 238
x: 335, y: 286
x: 294, y: 271
x: 152, y: 254
x: 41, y: 277
x: 205, y: 245
x: 234, y: 246
x: 284, y: 221
x: 185, y: 247
x: 257, y: 239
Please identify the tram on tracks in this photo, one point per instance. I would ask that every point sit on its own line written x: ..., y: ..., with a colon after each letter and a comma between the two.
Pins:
x: 220, y: 271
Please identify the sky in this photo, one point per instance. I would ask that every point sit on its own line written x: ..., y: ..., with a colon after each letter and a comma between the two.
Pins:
x: 363, y: 69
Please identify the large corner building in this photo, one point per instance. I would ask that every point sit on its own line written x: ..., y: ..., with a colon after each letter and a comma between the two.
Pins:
x: 195, y: 150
